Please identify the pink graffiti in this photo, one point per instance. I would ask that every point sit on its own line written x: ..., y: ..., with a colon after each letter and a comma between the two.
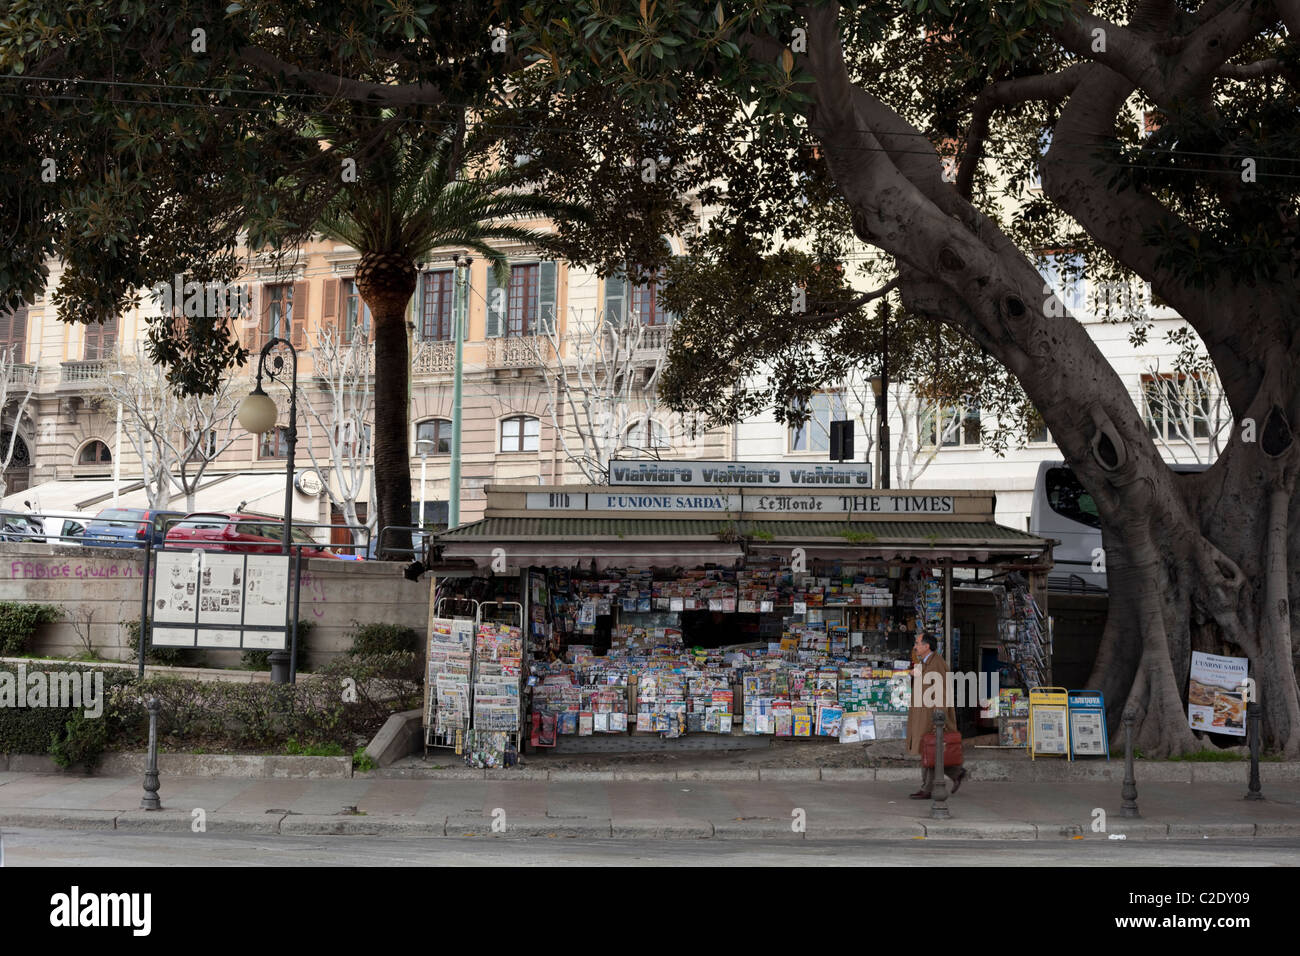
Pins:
x: 46, y: 569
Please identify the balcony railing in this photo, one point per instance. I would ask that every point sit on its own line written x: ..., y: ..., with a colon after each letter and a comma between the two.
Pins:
x: 654, y: 338
x: 84, y: 373
x: 22, y: 375
x: 517, y: 351
x: 434, y: 358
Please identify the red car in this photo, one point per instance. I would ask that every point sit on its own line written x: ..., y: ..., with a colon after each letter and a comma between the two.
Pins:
x: 239, y: 531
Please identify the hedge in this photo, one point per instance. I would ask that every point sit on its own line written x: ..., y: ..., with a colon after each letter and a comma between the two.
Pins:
x: 19, y: 622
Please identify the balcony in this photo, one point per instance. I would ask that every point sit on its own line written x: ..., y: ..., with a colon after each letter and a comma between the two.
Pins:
x: 83, y: 374
x: 652, y: 345
x: 518, y: 351
x: 22, y: 375
x: 434, y: 358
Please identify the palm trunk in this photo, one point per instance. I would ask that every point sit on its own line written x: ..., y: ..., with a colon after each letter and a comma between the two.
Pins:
x: 386, y: 283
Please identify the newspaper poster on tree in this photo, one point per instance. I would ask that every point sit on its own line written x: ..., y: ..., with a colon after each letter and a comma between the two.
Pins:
x: 1216, y: 699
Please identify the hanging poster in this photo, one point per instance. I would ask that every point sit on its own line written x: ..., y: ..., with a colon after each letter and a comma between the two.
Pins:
x: 221, y: 592
x: 268, y: 590
x: 1088, y: 724
x: 176, y: 587
x: 1215, y: 695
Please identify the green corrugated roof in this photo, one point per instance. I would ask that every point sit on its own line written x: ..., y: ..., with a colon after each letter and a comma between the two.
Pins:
x: 582, y: 528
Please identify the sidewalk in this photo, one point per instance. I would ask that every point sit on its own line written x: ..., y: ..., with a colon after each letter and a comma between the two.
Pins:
x: 586, y: 805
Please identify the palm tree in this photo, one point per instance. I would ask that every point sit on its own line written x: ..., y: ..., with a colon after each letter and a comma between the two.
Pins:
x: 410, y: 200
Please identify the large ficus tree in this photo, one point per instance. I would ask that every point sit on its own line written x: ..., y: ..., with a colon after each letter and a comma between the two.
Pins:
x: 925, y: 118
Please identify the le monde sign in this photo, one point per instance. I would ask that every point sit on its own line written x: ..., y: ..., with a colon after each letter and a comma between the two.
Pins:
x: 703, y: 500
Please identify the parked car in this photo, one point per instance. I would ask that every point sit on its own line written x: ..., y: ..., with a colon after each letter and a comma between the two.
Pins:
x: 129, y: 527
x: 240, y: 531
x: 15, y: 526
x: 62, y: 527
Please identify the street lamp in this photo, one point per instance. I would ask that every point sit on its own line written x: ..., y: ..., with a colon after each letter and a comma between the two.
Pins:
x: 880, y: 388
x: 257, y: 414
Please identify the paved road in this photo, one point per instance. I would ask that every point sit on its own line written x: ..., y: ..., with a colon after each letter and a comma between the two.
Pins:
x: 74, y: 848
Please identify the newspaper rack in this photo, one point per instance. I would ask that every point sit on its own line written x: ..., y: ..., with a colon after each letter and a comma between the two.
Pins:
x: 496, y: 702
x: 448, y: 680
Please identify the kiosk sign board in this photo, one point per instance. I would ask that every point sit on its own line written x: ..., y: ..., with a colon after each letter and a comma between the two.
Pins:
x: 741, y: 474
x: 1216, y: 699
x: 1048, y: 726
x: 1088, y: 735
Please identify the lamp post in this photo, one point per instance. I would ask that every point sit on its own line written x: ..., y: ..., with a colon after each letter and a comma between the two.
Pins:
x: 257, y: 414
x: 460, y: 308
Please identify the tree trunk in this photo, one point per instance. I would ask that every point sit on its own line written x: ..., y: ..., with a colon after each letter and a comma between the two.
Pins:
x: 386, y: 282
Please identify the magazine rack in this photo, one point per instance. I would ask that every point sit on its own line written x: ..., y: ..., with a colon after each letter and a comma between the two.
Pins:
x: 450, y: 650
x: 499, y: 661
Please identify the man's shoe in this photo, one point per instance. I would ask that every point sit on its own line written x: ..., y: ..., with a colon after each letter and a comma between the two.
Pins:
x: 956, y: 784
x: 919, y: 795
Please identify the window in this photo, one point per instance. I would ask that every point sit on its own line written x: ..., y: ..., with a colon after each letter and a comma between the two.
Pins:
x: 13, y: 333
x: 22, y: 458
x: 815, y: 433
x: 275, y: 443
x: 655, y: 438
x: 101, y: 340
x: 1036, y: 432
x: 435, y: 306
x: 277, y: 312
x: 1176, y: 407
x: 527, y: 305
x: 1067, y: 497
x: 520, y: 433
x: 354, y: 443
x: 95, y: 453
x: 437, y: 431
x: 647, y: 304
x: 356, y: 314
x: 951, y: 427
x: 201, y: 450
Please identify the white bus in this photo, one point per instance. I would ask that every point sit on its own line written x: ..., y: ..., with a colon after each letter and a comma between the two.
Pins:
x: 1063, y: 510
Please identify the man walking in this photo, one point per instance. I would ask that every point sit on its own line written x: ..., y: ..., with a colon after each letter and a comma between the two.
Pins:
x: 920, y: 720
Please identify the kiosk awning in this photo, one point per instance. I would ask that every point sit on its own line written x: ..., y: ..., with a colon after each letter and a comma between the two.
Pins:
x: 644, y: 542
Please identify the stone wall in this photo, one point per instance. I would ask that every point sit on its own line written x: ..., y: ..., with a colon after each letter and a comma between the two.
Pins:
x: 103, y: 585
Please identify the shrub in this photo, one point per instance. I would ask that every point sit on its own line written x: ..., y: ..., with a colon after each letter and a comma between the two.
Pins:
x: 261, y: 660
x: 65, y: 732
x: 376, y: 638
x: 19, y: 621
x: 82, y: 742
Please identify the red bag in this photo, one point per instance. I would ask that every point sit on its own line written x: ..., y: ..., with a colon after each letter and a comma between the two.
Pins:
x: 952, y: 755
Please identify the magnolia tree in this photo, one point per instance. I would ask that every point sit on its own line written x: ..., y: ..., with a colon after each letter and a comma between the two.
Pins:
x: 16, y: 387
x: 342, y: 409
x: 175, y: 438
x: 601, y: 383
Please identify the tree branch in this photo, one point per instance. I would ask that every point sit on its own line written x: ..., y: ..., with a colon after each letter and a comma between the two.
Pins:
x: 1055, y: 86
x: 387, y: 94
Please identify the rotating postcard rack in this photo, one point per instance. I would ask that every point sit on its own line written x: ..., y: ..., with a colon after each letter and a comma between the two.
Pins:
x: 496, y: 701
x: 448, y: 682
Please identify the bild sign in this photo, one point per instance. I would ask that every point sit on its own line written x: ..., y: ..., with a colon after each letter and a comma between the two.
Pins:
x: 740, y: 474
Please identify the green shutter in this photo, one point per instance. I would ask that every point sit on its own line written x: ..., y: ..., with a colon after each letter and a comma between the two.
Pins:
x: 616, y: 301
x: 496, y: 305
x: 546, y: 298
x: 417, y: 309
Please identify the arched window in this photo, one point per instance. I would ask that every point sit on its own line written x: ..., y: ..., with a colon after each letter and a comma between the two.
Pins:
x: 436, y: 431
x: 655, y: 438
x: 95, y: 453
x: 520, y: 433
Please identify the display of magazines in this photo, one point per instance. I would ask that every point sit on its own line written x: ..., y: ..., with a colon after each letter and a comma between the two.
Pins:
x: 498, y: 666
x: 1023, y: 634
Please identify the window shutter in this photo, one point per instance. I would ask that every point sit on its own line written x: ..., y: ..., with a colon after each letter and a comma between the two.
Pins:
x: 18, y: 334
x: 329, y: 310
x: 298, y: 312
x: 498, y: 301
x: 616, y: 301
x: 546, y: 298
x: 417, y: 310
x: 108, y: 337
x: 264, y: 323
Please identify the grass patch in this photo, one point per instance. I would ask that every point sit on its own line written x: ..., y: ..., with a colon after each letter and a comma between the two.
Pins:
x: 330, y: 749
x: 1210, y: 756
x: 362, y: 762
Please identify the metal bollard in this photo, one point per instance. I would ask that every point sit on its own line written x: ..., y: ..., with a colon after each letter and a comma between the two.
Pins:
x: 1255, y: 729
x: 1129, y: 792
x: 150, y: 801
x: 939, y: 809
